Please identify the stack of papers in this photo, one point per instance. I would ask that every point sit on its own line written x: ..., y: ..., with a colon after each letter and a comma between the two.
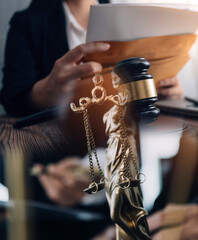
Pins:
x: 162, y: 33
x: 125, y: 22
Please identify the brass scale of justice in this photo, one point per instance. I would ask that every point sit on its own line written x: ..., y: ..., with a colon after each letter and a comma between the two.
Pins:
x: 142, y: 91
x: 135, y: 99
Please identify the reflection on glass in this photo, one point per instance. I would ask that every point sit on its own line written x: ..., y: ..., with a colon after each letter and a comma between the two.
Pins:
x: 155, y: 145
x: 4, y: 196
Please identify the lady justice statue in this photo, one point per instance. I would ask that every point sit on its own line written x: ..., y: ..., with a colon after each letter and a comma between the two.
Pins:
x: 121, y: 178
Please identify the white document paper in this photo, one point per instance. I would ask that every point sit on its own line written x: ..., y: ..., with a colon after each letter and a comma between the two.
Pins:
x: 125, y: 22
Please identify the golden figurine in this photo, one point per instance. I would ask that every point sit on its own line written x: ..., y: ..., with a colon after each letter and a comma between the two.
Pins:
x: 121, y: 177
x: 125, y: 200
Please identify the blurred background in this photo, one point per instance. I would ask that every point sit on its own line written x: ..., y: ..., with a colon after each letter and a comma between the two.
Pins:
x: 7, y: 9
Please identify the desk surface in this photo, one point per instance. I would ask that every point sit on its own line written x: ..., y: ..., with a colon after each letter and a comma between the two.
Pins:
x: 44, y: 140
x: 192, y: 122
x: 47, y: 139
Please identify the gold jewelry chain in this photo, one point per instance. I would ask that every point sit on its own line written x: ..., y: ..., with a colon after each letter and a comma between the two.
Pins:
x: 91, y: 147
x: 125, y: 145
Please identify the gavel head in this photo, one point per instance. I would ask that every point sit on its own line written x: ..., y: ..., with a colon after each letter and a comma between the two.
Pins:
x: 140, y: 88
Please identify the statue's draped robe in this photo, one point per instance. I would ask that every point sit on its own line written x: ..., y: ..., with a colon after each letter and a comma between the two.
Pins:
x: 126, y: 207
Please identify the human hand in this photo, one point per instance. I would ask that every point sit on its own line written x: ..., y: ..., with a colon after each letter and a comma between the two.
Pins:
x: 61, y: 184
x: 108, y: 234
x: 66, y: 73
x: 175, y: 222
x: 170, y: 87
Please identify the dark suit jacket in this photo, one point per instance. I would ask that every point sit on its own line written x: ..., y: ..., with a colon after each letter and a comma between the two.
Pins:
x: 36, y: 39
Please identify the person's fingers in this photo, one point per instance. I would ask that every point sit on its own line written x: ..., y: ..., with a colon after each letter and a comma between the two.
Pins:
x: 177, y: 221
x: 169, y: 215
x: 78, y: 72
x: 60, y: 175
x: 59, y: 193
x: 84, y: 70
x: 171, y: 81
x: 64, y: 171
x: 189, y: 227
x: 171, y: 91
x: 172, y: 214
x: 192, y: 212
x: 170, y: 87
x: 67, y: 163
x: 51, y: 186
x: 78, y: 53
x: 63, y: 167
x: 110, y: 233
x: 173, y: 233
x: 154, y: 221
